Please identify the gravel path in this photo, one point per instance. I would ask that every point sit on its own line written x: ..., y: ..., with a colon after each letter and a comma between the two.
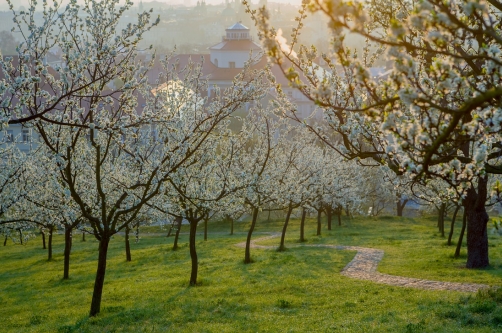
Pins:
x: 364, y: 267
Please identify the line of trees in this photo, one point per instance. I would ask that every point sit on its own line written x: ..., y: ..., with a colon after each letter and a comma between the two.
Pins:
x: 110, y: 157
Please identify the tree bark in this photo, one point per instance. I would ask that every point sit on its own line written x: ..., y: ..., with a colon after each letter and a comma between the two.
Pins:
x: 319, y: 212
x: 20, y: 236
x: 177, y: 235
x: 347, y: 211
x: 5, y: 241
x: 231, y: 226
x: 477, y: 219
x: 205, y: 229
x: 100, y: 277
x: 127, y: 244
x: 339, y: 218
x: 67, y: 251
x: 302, y: 225
x: 137, y: 232
x: 400, y: 206
x: 452, y: 226
x: 441, y: 219
x: 461, y: 236
x: 247, y: 255
x: 329, y: 214
x: 193, y: 253
x: 43, y: 239
x: 83, y: 236
x: 49, y: 244
x: 283, y: 235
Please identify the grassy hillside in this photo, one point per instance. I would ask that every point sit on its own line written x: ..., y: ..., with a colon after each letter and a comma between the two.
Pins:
x: 299, y: 290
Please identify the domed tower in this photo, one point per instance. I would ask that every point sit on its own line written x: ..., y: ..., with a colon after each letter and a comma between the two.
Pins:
x: 235, y: 48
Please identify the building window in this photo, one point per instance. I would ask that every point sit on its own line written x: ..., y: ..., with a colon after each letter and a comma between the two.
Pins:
x: 290, y: 94
x: 26, y: 135
x: 231, y: 64
x: 9, y: 136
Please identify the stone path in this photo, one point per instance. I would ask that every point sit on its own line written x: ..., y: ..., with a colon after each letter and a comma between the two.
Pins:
x: 364, y: 267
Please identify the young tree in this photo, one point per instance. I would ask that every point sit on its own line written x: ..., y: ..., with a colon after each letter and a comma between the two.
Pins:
x: 264, y: 133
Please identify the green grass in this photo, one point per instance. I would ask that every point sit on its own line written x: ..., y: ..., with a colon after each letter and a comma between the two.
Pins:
x: 299, y: 290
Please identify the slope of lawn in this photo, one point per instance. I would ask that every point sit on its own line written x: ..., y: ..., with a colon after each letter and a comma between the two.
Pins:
x: 299, y: 290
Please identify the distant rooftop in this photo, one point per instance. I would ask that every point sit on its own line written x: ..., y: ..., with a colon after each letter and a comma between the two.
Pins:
x: 238, y: 26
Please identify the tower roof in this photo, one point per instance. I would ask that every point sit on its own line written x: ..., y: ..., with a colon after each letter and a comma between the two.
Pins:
x: 238, y: 26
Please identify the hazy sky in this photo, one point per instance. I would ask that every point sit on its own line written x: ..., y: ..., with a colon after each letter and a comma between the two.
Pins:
x: 4, y: 6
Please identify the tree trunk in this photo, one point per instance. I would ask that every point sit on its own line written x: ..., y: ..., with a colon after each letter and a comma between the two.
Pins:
x: 137, y: 232
x: 302, y: 225
x: 20, y: 236
x: 83, y: 236
x: 49, y: 244
x: 441, y: 218
x: 177, y: 236
x: 100, y: 277
x: 43, y: 239
x: 5, y: 241
x: 453, y: 224
x: 127, y: 244
x: 67, y: 251
x: 193, y: 253
x: 461, y: 236
x: 339, y: 218
x: 231, y: 226
x: 400, y: 206
x: 477, y: 219
x: 283, y: 236
x: 319, y: 212
x: 205, y: 229
x: 268, y: 218
x: 247, y: 256
x: 329, y: 214
x: 347, y: 211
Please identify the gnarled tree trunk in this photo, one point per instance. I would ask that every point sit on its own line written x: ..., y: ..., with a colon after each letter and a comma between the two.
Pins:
x: 231, y: 226
x: 441, y: 213
x: 461, y: 236
x: 205, y: 229
x: 49, y: 243
x: 400, y: 206
x: 43, y: 239
x: 283, y: 235
x: 329, y: 214
x: 127, y: 244
x: 302, y: 225
x: 452, y: 226
x: 319, y: 212
x: 477, y: 219
x: 100, y: 277
x: 339, y: 214
x: 247, y: 254
x: 179, y: 220
x: 193, y: 253
x: 67, y: 251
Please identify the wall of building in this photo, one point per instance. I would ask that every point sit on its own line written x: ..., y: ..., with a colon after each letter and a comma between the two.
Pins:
x: 225, y: 57
x: 26, y: 139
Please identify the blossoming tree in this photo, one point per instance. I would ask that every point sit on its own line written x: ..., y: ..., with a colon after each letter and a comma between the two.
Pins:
x: 435, y: 115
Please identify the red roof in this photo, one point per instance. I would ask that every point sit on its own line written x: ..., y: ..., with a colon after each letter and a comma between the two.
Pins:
x: 210, y: 71
x: 236, y: 45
